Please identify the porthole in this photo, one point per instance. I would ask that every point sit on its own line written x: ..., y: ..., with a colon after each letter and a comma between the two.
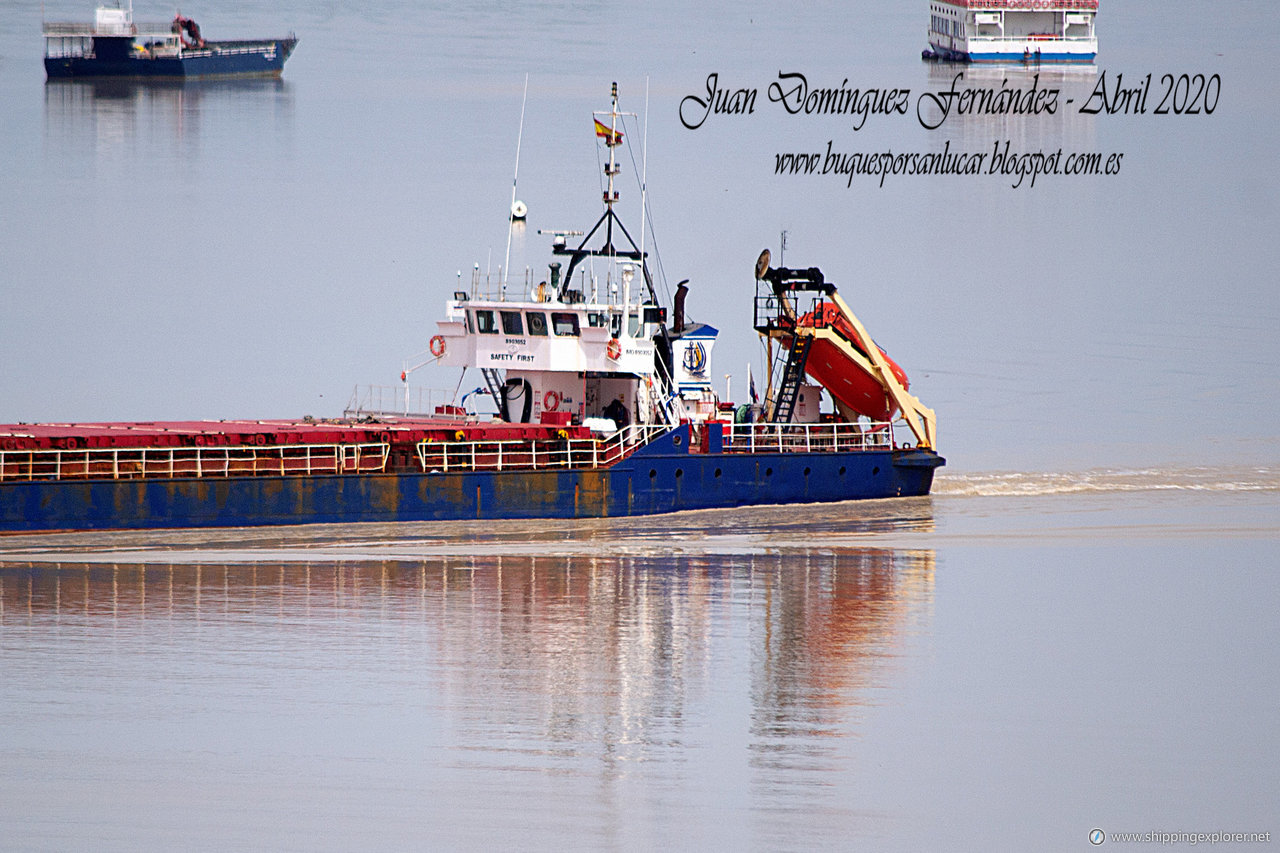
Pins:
x: 807, y: 472
x: 653, y: 473
x: 679, y: 473
x: 717, y: 473
x: 677, y: 440
x: 875, y: 470
x: 768, y: 472
x: 841, y: 471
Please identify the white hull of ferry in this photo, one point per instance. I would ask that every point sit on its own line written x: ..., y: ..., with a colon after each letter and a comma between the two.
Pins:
x: 1013, y: 30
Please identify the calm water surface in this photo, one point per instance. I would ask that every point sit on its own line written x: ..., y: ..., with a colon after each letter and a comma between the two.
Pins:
x: 970, y: 670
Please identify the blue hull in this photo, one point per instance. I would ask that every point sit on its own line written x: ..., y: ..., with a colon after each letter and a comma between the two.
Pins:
x: 661, y: 477
x: 962, y: 56
x: 1035, y: 57
x: 239, y: 59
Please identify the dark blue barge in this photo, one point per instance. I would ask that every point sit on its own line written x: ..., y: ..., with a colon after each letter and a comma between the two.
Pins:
x: 667, y: 474
x: 114, y: 46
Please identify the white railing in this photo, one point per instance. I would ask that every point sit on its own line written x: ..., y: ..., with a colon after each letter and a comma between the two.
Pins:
x: 146, y: 29
x: 1037, y: 5
x: 397, y: 401
x: 214, y: 50
x: 982, y: 40
x: 496, y: 287
x: 807, y: 438
x: 433, y: 456
x: 176, y: 462
x: 516, y: 455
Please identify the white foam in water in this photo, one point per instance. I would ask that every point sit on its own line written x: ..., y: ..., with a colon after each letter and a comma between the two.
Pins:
x: 1030, y: 483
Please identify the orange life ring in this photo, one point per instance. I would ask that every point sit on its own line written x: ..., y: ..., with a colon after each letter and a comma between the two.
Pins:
x: 551, y: 401
x: 437, y: 346
x: 614, y: 349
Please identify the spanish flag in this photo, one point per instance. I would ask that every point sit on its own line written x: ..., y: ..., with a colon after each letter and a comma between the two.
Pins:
x: 610, y: 137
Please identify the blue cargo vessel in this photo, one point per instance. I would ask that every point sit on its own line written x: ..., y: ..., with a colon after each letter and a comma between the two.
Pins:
x: 603, y: 408
x: 114, y: 46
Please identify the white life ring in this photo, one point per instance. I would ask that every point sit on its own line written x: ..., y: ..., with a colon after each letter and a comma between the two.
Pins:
x: 551, y: 401
x: 437, y: 346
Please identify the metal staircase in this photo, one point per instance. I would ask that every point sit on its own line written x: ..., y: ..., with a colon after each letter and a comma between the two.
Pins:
x: 494, y: 383
x: 792, y: 377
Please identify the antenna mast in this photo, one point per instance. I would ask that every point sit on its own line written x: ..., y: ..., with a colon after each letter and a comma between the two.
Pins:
x: 511, y: 211
x: 612, y: 141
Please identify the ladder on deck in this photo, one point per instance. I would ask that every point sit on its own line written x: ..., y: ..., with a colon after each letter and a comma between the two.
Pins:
x: 792, y: 376
x: 494, y: 384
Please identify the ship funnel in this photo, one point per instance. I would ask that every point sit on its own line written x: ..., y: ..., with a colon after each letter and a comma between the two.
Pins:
x: 682, y: 291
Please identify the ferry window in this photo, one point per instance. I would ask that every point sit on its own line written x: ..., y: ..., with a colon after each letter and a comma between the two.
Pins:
x: 564, y: 323
x: 537, y: 322
x: 486, y: 324
x: 633, y: 324
x: 615, y: 324
x: 597, y: 320
x: 511, y: 324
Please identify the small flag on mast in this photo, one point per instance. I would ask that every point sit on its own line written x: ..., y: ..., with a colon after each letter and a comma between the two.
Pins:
x: 751, y: 385
x: 610, y: 137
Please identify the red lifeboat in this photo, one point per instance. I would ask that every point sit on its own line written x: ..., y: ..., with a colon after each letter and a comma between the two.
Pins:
x: 845, y: 380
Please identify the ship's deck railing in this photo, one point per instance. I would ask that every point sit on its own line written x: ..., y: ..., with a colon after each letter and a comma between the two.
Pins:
x: 445, y: 456
x: 1037, y: 5
x: 170, y: 462
x: 83, y: 29
x: 1011, y: 39
x: 235, y: 49
x: 397, y: 401
x: 807, y: 438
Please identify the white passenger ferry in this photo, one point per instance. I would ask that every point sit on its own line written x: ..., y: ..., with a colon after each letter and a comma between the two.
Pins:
x: 1012, y: 30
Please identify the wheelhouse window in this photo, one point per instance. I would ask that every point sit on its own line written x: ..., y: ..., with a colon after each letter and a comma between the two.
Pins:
x: 564, y: 323
x: 537, y: 322
x: 511, y: 324
x: 597, y: 319
x: 486, y: 323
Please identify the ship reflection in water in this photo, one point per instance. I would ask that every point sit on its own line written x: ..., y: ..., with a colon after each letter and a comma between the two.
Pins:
x: 159, y: 121
x: 695, y: 680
